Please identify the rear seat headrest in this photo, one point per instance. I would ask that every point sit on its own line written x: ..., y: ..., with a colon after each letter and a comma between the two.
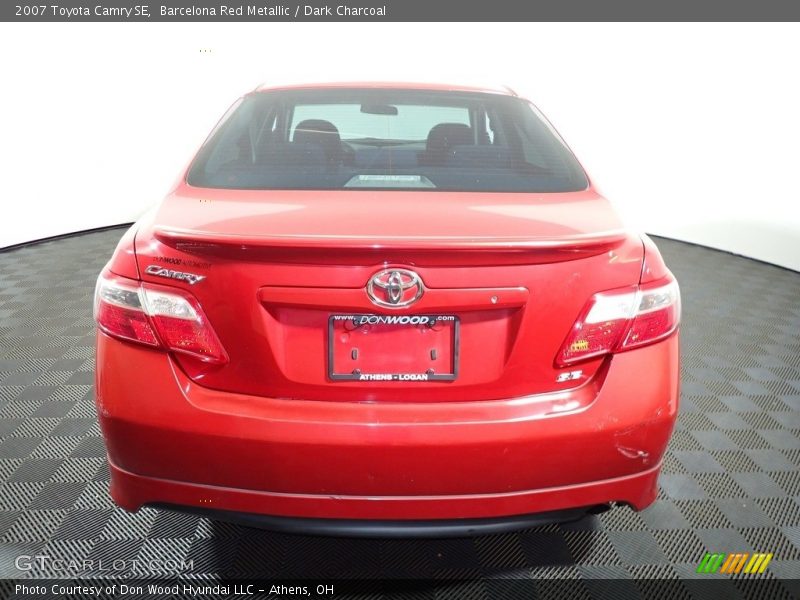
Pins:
x: 445, y: 135
x: 319, y: 131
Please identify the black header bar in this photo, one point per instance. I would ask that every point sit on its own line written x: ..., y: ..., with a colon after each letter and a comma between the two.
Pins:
x: 399, y: 10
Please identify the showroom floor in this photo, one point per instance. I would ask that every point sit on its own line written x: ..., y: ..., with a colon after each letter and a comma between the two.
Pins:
x: 730, y: 483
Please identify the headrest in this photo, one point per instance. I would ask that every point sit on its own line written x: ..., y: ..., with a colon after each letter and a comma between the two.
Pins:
x: 322, y: 133
x: 316, y: 131
x: 445, y: 135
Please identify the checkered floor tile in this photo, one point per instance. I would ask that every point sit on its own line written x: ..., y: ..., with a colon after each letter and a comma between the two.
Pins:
x: 731, y: 478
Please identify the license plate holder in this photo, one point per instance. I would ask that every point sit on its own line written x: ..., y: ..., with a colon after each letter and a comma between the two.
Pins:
x: 393, y: 348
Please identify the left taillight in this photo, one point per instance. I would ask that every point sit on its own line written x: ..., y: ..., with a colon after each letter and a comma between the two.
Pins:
x: 119, y: 310
x: 156, y: 316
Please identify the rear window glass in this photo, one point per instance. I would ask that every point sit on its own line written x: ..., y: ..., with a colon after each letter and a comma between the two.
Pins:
x: 386, y: 139
x: 412, y: 122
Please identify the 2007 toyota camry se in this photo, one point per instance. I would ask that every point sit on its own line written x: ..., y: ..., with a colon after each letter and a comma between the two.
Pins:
x: 385, y: 309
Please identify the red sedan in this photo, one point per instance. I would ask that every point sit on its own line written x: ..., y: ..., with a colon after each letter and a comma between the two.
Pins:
x: 385, y: 309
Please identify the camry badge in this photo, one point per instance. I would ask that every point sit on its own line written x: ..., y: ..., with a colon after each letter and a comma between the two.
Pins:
x: 159, y: 271
x: 394, y: 288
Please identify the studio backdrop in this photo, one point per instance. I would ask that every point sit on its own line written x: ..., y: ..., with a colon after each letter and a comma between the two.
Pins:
x: 690, y: 129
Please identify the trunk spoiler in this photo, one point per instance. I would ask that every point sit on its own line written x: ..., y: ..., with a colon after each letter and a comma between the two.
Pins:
x: 437, y: 249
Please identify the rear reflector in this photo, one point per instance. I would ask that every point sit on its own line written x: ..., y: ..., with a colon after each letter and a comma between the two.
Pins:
x: 622, y: 319
x: 169, y: 318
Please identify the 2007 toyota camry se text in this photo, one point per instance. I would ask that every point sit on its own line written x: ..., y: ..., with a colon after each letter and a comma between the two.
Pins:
x: 386, y: 309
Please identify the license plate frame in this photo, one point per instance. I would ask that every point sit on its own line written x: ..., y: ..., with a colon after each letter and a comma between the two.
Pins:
x: 452, y: 322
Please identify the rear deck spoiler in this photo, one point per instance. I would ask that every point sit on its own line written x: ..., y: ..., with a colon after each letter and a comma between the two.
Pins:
x: 510, y: 249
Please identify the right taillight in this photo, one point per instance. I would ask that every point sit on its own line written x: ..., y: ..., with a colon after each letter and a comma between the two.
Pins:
x: 155, y: 316
x: 658, y: 313
x: 622, y: 319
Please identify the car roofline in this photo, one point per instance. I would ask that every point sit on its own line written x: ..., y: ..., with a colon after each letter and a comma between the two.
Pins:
x: 500, y: 89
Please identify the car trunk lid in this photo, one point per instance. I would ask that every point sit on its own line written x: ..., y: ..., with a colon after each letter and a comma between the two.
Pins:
x: 280, y: 267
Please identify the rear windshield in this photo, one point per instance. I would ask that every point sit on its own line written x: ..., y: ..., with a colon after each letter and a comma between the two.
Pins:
x: 386, y: 139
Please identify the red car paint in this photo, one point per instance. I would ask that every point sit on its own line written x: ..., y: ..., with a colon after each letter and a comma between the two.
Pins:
x: 262, y: 427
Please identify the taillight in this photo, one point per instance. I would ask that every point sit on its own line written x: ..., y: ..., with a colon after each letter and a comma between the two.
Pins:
x: 156, y: 316
x: 118, y: 311
x: 658, y: 313
x: 622, y: 319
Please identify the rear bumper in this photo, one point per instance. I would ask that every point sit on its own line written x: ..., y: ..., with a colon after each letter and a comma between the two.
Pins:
x: 170, y: 441
x: 398, y: 528
x: 423, y: 515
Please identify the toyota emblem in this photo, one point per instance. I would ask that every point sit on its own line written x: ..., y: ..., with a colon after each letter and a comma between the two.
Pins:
x: 394, y: 288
